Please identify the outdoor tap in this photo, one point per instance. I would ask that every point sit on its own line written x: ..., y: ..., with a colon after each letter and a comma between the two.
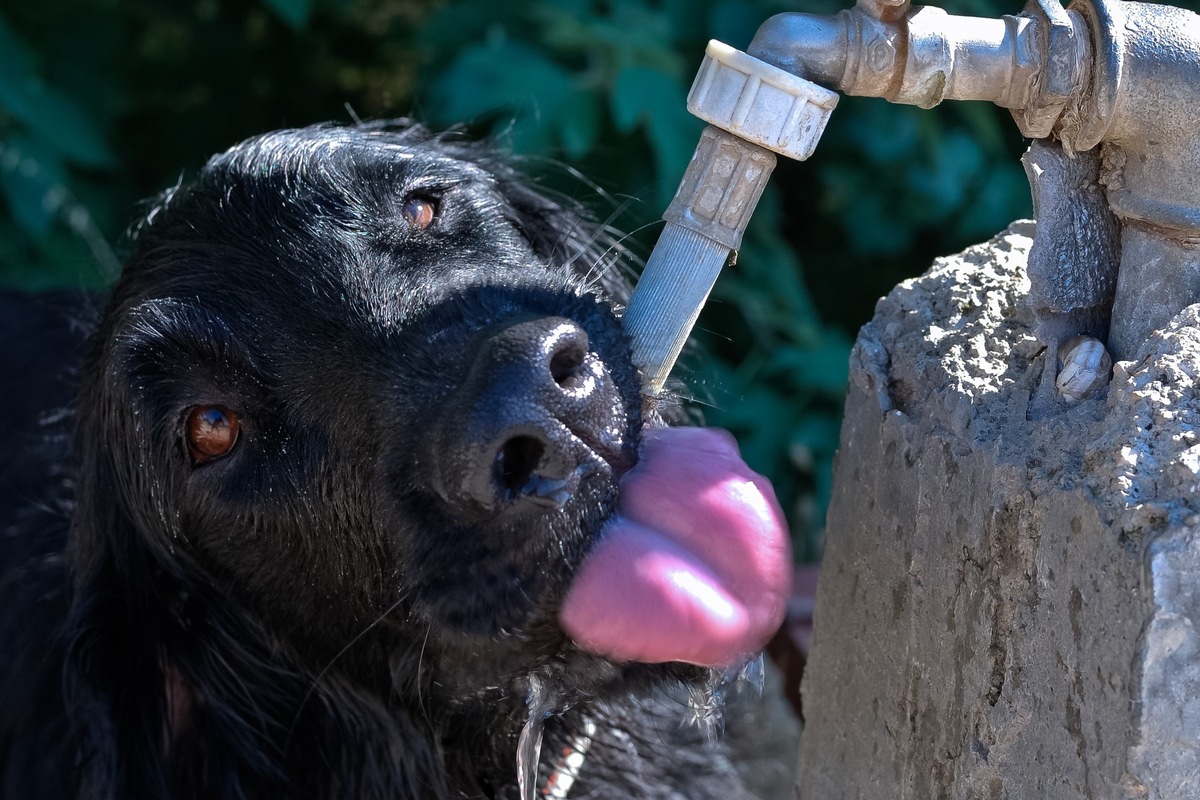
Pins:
x: 1112, y: 81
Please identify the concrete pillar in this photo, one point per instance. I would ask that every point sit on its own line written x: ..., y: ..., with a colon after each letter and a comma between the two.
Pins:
x: 1007, y: 608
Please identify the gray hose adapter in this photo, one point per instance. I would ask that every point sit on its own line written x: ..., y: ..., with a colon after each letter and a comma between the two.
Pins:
x: 754, y: 111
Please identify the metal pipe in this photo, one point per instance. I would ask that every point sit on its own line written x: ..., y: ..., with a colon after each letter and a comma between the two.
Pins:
x: 920, y: 58
x: 920, y: 55
x: 1151, y: 130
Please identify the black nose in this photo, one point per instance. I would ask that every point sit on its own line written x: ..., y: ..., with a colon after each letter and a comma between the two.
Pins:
x: 535, y: 413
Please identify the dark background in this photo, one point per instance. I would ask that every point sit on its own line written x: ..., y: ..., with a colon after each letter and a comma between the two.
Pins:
x: 105, y: 103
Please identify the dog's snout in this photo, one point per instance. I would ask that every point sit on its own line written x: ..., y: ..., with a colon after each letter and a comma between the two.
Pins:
x: 535, y: 413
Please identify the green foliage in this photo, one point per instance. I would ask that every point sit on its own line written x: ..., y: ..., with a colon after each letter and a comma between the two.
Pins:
x: 105, y: 103
x: 295, y: 13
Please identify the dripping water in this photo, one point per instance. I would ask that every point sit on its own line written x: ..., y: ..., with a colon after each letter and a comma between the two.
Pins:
x: 540, y: 703
x: 707, y: 701
x: 752, y: 675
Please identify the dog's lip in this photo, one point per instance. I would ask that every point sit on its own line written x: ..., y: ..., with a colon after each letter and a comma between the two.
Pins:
x: 609, y: 446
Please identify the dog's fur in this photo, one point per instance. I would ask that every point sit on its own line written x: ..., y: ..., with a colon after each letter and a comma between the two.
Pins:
x: 306, y: 617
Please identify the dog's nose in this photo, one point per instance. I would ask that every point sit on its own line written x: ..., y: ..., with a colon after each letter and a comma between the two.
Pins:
x: 535, y: 413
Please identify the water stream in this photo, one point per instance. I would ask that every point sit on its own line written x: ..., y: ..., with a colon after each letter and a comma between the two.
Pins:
x: 529, y: 746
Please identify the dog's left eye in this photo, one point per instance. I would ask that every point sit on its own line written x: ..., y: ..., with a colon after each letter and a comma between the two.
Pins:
x: 212, y: 431
x: 419, y: 212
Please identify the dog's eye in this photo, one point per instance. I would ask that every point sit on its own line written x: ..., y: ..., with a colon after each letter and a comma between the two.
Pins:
x: 212, y: 431
x: 419, y: 212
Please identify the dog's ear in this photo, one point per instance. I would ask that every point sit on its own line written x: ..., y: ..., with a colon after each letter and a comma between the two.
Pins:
x: 156, y: 651
x: 563, y: 233
x: 111, y: 665
x: 111, y: 444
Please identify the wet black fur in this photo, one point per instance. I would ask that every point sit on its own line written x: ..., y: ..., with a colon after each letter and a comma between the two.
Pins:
x: 304, y: 618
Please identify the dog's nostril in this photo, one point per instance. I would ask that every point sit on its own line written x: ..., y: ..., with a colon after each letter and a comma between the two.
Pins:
x: 516, y: 462
x: 566, y: 362
x: 565, y: 367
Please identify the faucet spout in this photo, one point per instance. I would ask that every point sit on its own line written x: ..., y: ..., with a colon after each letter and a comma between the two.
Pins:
x: 809, y: 45
x: 918, y: 55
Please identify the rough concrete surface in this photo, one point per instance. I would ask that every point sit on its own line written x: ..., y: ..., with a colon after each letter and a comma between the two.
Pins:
x: 1007, y: 608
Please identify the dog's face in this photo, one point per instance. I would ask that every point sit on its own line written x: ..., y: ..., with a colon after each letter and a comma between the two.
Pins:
x: 368, y: 380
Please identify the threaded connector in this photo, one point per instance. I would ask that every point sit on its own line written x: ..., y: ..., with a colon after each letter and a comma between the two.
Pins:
x: 755, y: 111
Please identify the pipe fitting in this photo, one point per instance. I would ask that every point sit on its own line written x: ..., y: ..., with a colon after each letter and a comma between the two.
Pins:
x: 1033, y: 63
x: 755, y: 110
x: 917, y: 55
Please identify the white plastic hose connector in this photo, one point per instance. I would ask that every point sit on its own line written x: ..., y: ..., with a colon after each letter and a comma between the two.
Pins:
x: 754, y: 110
x: 759, y: 102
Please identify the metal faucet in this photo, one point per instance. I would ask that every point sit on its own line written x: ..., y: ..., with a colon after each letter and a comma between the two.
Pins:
x: 1112, y: 82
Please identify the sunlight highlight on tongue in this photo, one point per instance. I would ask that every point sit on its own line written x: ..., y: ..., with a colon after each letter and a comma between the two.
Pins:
x: 696, y: 566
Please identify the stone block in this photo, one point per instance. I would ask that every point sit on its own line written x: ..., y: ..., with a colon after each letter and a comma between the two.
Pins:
x: 1008, y: 602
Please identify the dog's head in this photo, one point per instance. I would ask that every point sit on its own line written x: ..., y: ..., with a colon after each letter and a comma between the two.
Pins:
x: 367, y: 377
x: 373, y: 388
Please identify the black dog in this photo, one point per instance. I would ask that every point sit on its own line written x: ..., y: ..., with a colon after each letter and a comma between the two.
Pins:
x: 353, y: 417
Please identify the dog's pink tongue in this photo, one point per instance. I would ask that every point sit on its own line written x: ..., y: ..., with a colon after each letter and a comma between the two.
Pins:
x: 697, y: 565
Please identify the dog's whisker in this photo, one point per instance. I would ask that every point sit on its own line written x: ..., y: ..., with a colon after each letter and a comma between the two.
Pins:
x: 616, y: 248
x: 609, y: 236
x: 603, y: 233
x: 421, y: 700
x: 568, y: 243
x: 313, y: 684
x: 562, y: 550
x: 563, y: 166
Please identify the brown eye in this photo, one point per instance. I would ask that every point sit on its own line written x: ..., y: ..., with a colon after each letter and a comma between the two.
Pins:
x: 212, y: 431
x: 419, y: 212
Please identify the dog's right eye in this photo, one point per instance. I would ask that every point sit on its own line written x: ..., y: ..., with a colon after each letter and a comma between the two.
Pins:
x: 212, y: 431
x: 419, y: 212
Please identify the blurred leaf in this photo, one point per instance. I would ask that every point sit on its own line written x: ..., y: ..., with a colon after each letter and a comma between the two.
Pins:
x: 580, y: 123
x: 825, y: 368
x: 501, y: 74
x: 654, y: 100
x: 459, y: 25
x: 294, y: 13
x: 818, y: 432
x: 884, y: 133
x: 631, y: 33
x: 957, y: 159
x: 687, y: 22
x: 771, y: 264
x: 872, y: 223
x: 1002, y: 196
x: 735, y: 22
x: 638, y: 92
x: 55, y: 117
x: 60, y: 260
x: 33, y: 182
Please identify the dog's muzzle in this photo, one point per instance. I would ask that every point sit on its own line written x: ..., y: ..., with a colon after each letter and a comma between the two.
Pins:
x: 536, y: 412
